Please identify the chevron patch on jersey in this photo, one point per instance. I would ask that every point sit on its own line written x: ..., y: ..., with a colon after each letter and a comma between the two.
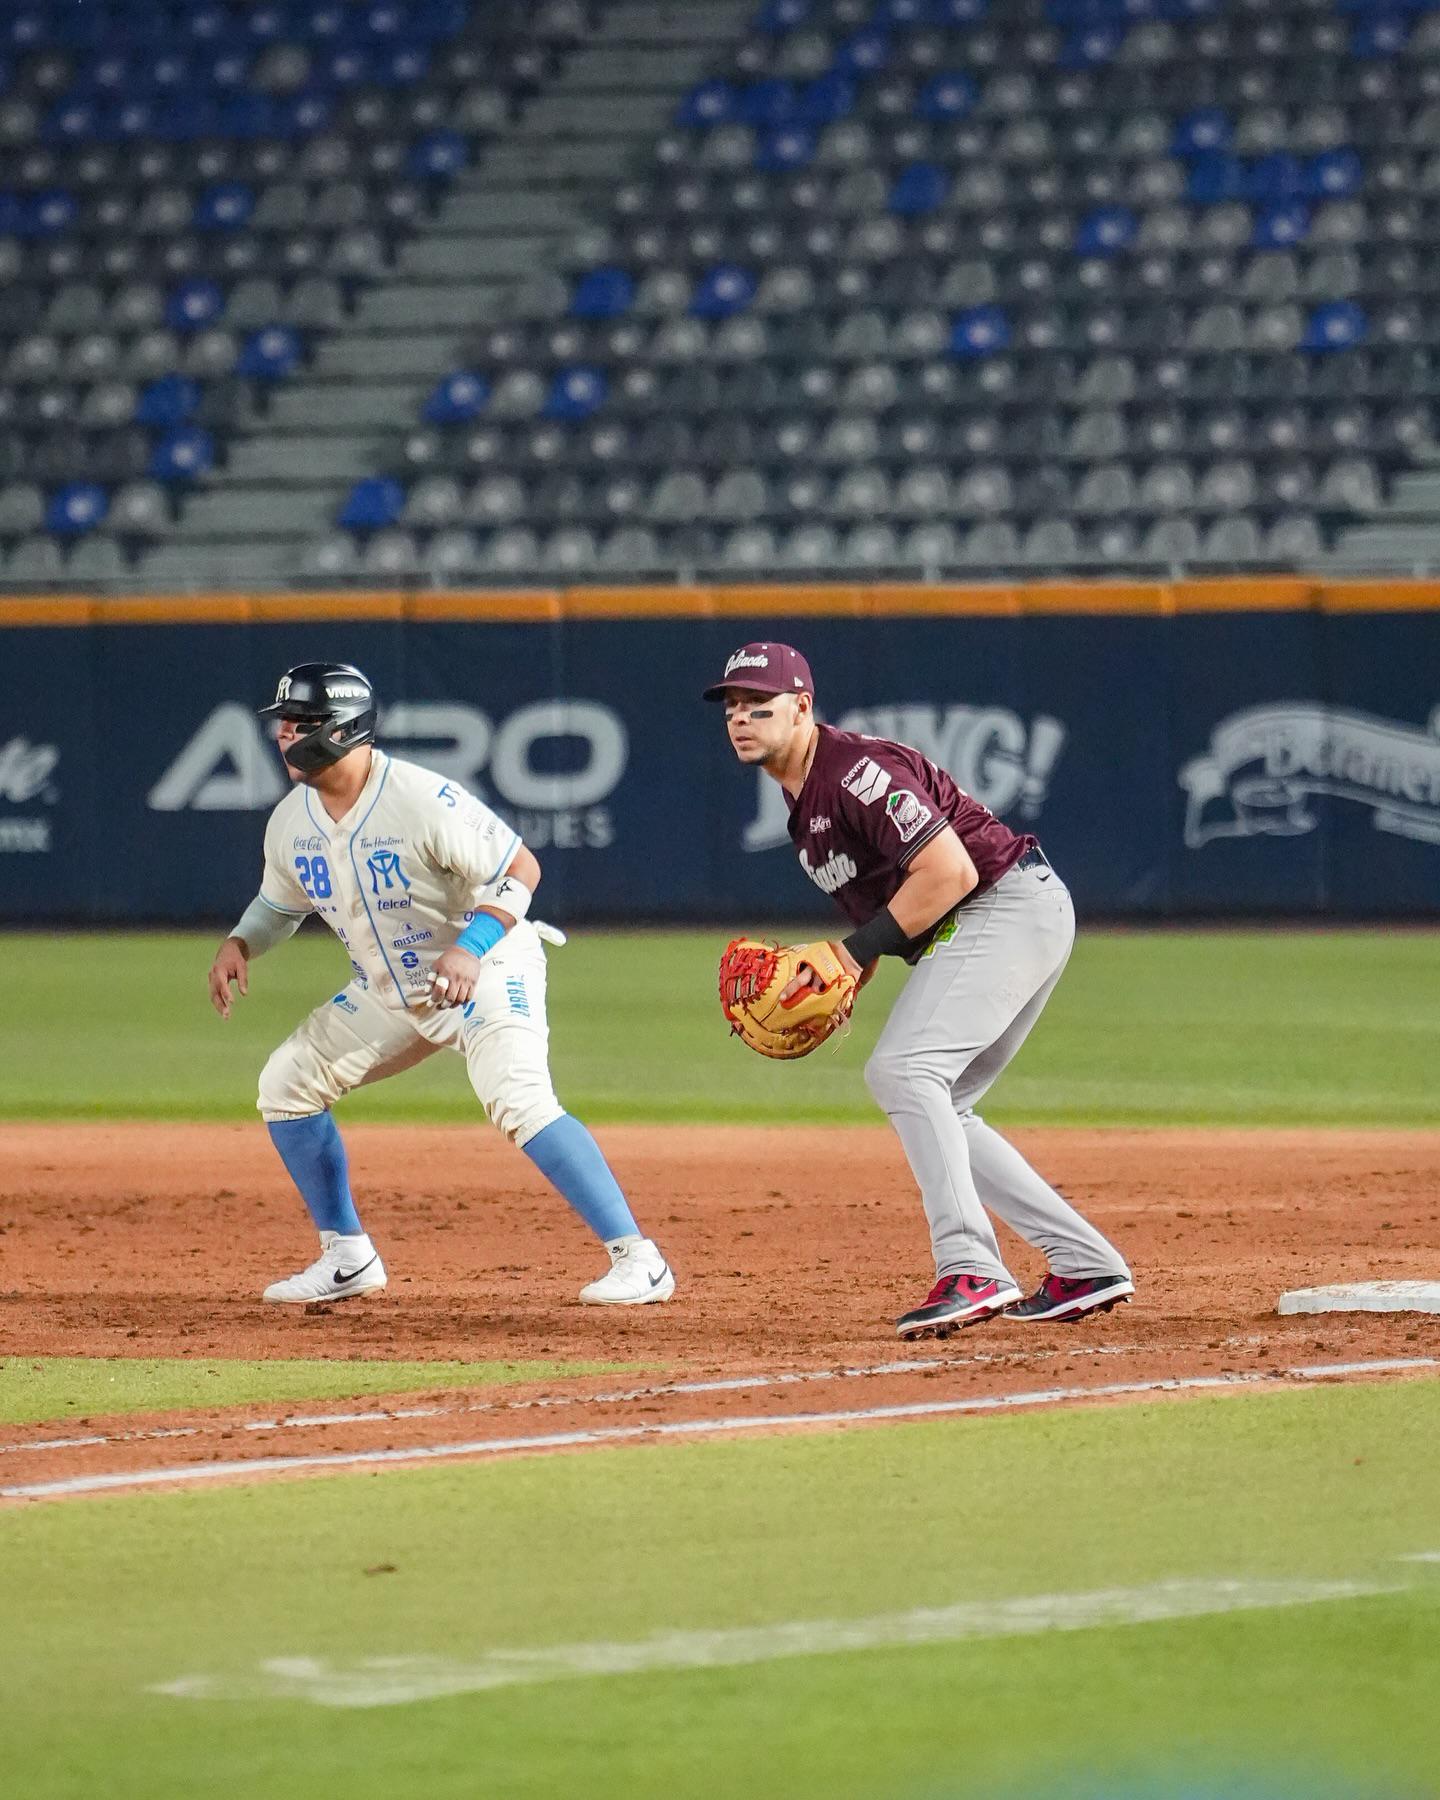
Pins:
x: 867, y: 781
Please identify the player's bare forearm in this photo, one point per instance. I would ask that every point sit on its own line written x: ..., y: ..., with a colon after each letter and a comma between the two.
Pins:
x: 231, y: 963
x: 940, y: 877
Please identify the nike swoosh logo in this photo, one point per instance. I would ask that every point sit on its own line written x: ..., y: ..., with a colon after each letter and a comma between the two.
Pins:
x: 655, y: 1280
x: 341, y: 1280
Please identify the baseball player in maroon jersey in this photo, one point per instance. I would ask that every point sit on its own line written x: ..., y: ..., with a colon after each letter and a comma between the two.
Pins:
x: 927, y: 873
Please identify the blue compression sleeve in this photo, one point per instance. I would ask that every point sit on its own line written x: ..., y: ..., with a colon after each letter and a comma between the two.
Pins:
x: 483, y: 933
x: 570, y: 1160
x: 312, y: 1150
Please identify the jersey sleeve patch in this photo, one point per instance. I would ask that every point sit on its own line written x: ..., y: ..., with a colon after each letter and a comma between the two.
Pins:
x: 907, y: 813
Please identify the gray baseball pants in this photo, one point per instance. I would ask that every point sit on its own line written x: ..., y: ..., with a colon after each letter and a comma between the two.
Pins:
x: 964, y: 1012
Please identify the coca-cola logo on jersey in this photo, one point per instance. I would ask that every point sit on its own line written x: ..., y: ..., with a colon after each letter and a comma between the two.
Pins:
x: 549, y: 767
x: 26, y: 780
x: 996, y: 755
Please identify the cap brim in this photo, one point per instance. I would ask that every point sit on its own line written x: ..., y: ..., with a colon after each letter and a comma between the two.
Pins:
x: 719, y: 689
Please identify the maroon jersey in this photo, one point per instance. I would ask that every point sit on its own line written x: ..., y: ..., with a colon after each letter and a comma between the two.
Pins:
x: 868, y: 805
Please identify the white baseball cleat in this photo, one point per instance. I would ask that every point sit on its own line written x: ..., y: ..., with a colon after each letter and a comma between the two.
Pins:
x: 347, y: 1266
x: 639, y: 1276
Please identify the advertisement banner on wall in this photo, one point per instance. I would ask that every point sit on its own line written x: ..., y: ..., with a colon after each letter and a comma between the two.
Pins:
x: 1228, y: 764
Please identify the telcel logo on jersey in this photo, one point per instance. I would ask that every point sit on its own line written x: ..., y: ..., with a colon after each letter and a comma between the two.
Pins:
x: 833, y: 873
x: 384, y: 865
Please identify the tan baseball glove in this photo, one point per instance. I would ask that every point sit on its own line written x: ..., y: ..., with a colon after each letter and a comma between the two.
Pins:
x: 753, y: 976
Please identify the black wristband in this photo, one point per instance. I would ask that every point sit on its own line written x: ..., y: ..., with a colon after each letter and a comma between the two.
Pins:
x: 881, y: 936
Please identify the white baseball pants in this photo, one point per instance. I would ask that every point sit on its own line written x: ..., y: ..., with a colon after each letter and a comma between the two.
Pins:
x: 962, y: 1015
x: 356, y: 1038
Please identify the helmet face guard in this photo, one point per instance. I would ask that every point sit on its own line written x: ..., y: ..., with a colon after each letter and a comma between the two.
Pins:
x: 336, y: 705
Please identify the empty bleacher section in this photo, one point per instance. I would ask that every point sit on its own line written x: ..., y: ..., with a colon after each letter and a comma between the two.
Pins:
x: 448, y: 292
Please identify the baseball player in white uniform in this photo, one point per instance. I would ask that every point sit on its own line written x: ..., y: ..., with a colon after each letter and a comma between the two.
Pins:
x: 429, y: 892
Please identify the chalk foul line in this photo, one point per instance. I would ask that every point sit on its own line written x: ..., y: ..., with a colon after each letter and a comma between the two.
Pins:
x: 376, y: 1415
x: 255, y: 1467
x: 401, y: 1680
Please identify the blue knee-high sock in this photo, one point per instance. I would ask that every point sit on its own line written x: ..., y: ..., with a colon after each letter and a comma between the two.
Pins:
x: 311, y: 1149
x: 570, y: 1160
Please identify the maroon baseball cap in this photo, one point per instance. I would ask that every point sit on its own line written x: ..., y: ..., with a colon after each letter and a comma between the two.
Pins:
x: 766, y: 669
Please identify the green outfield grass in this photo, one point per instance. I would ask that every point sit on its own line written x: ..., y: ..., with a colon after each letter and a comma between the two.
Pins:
x: 69, y: 1387
x: 258, y: 1598
x: 1147, y: 1028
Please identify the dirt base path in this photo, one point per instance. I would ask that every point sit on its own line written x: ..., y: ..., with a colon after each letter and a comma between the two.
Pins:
x: 795, y: 1251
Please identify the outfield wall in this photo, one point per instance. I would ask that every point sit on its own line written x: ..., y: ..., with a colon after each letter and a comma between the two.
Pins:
x: 1225, y: 747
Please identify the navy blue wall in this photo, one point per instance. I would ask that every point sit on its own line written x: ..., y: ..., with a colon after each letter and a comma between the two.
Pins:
x: 1227, y: 763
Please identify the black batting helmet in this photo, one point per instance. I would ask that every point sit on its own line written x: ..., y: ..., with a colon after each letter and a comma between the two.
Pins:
x: 333, y: 698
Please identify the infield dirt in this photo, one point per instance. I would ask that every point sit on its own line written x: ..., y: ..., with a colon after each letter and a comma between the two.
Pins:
x: 795, y: 1250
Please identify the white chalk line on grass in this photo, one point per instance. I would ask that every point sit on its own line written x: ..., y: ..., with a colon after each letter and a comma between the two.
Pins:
x: 731, y: 1383
x: 720, y: 1384
x: 400, y: 1680
x: 616, y: 1434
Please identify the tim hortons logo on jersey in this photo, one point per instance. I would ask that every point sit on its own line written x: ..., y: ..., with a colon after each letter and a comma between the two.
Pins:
x: 550, y: 766
x: 25, y: 771
x: 867, y: 781
x: 907, y: 813
x: 1265, y: 766
x: 993, y: 754
x: 833, y: 873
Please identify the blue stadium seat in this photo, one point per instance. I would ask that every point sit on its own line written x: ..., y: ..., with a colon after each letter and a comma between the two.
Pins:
x: 270, y: 354
x: 182, y: 453
x: 864, y: 53
x: 920, y: 188
x: 575, y: 393
x: 708, y: 103
x: 372, y: 504
x: 948, y: 96
x: 785, y: 147
x: 766, y: 103
x: 226, y: 206
x: 1206, y: 130
x: 980, y: 331
x: 724, y: 290
x: 1339, y: 325
x: 777, y: 17
x: 194, y: 304
x: 1214, y: 178
x: 168, y: 400
x: 1335, y: 173
x: 827, y: 98
x: 1106, y: 231
x: 458, y: 398
x: 439, y: 155
x: 76, y: 508
x: 1281, y: 224
x: 1382, y: 35
x: 603, y: 294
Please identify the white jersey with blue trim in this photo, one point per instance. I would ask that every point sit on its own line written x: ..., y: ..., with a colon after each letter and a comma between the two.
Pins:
x: 397, y: 879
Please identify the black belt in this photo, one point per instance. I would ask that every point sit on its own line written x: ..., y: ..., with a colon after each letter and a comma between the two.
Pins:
x: 1034, y: 858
